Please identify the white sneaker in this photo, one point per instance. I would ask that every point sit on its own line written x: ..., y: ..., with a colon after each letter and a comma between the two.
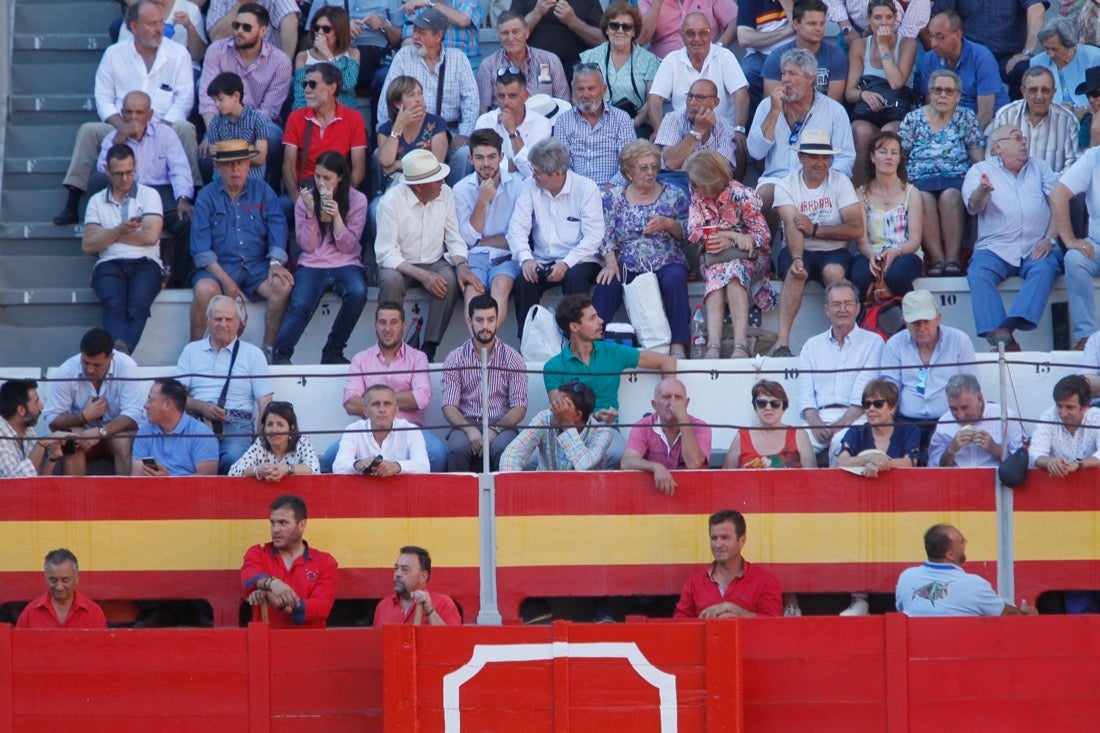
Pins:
x: 792, y: 611
x: 858, y: 608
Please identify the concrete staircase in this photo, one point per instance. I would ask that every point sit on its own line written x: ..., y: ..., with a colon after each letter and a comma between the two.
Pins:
x: 45, y: 299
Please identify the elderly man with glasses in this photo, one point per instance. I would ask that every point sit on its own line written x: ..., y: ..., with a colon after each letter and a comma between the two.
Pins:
x: 982, y: 89
x: 1009, y: 193
x: 542, y: 69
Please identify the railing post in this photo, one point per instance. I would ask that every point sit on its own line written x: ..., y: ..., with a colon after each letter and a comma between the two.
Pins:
x: 1006, y: 565
x: 488, y: 614
x: 259, y: 677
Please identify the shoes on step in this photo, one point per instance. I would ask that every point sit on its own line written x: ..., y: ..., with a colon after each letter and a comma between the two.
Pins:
x: 858, y: 607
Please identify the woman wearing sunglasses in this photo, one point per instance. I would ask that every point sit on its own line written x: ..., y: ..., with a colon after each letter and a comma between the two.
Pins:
x: 627, y: 67
x: 774, y: 444
x: 880, y: 445
x: 280, y: 451
x: 329, y: 40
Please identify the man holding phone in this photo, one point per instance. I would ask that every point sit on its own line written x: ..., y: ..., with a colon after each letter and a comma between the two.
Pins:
x: 171, y: 442
x: 383, y: 444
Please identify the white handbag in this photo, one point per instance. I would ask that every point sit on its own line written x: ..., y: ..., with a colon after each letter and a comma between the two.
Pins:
x: 541, y: 337
x: 646, y: 310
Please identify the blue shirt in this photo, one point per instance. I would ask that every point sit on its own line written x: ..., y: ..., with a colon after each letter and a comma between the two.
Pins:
x: 979, y: 73
x: 203, y: 371
x: 832, y: 64
x: 242, y: 235
x: 945, y: 589
x: 924, y: 388
x: 251, y: 125
x: 1001, y: 26
x: 191, y: 442
x: 497, y: 215
x: 904, y: 441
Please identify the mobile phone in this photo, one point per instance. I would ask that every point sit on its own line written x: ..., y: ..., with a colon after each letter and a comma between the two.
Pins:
x: 68, y: 448
x: 149, y: 461
x: 373, y: 465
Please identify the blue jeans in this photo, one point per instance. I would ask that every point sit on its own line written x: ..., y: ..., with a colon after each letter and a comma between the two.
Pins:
x: 672, y: 280
x: 237, y: 436
x: 1080, y: 283
x: 310, y: 283
x: 987, y: 270
x: 437, y: 453
x: 127, y: 289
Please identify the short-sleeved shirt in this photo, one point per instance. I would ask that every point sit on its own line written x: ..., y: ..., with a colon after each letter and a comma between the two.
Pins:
x: 602, y: 372
x: 594, y: 149
x: 1080, y: 178
x: 312, y: 575
x: 203, y: 370
x: 389, y: 611
x: 108, y: 213
x: 83, y: 614
x: 250, y: 126
x: 764, y: 16
x: 648, y: 438
x: 1001, y: 26
x: 676, y: 74
x: 120, y: 387
x: 343, y: 133
x: 945, y: 589
x: 757, y: 590
x: 822, y: 204
x: 941, y: 153
x: 904, y: 441
x: 629, y: 81
x: 832, y: 64
x: 190, y: 443
x: 979, y: 73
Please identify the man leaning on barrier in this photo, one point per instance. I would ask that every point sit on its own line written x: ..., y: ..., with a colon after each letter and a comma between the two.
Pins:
x: 383, y: 444
x: 412, y: 602
x: 668, y: 438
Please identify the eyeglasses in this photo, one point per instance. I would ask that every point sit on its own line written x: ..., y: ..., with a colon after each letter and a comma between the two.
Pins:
x: 647, y: 168
x: 616, y: 26
x: 247, y: 27
x: 922, y: 380
x: 838, y: 304
x: 762, y: 403
x: 1018, y: 137
x: 877, y: 404
x: 944, y: 91
x: 699, y: 97
x: 326, y: 29
x: 508, y: 70
x: 309, y: 84
x: 698, y: 34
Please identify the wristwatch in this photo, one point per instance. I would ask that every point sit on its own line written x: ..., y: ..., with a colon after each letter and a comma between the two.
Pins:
x: 740, y: 128
x: 514, y: 135
x: 1027, y: 52
x: 102, y: 432
x: 696, y: 134
x: 273, y: 262
x: 887, y: 57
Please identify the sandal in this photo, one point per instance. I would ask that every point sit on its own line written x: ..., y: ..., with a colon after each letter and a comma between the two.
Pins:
x: 953, y: 269
x: 713, y: 352
x: 937, y: 269
x: 745, y: 354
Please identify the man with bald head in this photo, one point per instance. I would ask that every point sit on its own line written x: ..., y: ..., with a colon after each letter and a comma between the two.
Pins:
x: 668, y: 438
x: 698, y: 127
x: 1016, y: 236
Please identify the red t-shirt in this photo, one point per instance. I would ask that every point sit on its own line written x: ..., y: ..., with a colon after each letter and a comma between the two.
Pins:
x: 312, y: 576
x: 344, y: 132
x: 83, y: 614
x: 389, y: 611
x: 757, y: 590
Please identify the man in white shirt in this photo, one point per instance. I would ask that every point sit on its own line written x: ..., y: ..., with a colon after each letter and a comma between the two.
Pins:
x: 556, y: 229
x: 701, y: 59
x: 1067, y: 438
x: 512, y: 122
x: 968, y: 435
x: 418, y: 243
x: 821, y: 216
x: 99, y: 400
x: 834, y: 368
x: 183, y: 24
x: 145, y: 63
x: 382, y: 444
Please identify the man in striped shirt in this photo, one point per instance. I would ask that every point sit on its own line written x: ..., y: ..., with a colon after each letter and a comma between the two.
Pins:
x: 506, y: 403
x: 1050, y: 129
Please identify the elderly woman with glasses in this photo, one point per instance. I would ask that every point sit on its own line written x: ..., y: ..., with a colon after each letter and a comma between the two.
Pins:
x: 774, y: 444
x: 280, y: 451
x: 329, y: 40
x: 942, y: 139
x: 627, y: 67
x: 880, y: 444
x: 645, y: 234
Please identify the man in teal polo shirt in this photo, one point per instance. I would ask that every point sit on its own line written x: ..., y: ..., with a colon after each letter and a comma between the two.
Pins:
x: 597, y: 363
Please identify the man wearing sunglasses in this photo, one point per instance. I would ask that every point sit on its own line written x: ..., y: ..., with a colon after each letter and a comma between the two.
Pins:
x: 922, y: 359
x: 264, y: 69
x: 542, y: 69
x: 221, y: 14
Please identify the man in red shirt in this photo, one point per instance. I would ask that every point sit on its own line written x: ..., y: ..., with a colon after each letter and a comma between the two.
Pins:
x: 62, y: 606
x: 297, y: 581
x: 410, y: 586
x: 730, y: 587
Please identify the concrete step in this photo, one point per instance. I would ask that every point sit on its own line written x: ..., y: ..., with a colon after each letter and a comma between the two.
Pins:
x: 44, y: 271
x: 12, y: 232
x: 13, y: 249
x: 54, y: 41
x: 64, y: 73
x: 41, y: 141
x: 36, y: 180
x: 43, y: 345
x: 52, y: 103
x: 54, y: 166
x: 50, y: 16
x: 35, y: 206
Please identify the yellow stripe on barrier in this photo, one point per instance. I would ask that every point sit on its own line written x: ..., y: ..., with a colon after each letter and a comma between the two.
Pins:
x: 219, y: 544
x: 772, y: 538
x: 1057, y: 535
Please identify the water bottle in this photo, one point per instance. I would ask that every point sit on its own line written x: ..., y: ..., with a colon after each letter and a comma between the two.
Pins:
x: 698, y: 334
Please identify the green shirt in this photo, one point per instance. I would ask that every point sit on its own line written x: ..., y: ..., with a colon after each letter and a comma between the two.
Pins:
x: 602, y: 373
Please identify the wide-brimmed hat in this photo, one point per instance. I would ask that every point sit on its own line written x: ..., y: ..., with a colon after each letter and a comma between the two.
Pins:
x: 431, y: 19
x: 228, y: 150
x: 547, y: 106
x: 421, y: 166
x: 1091, y: 82
x: 816, y: 142
x: 918, y: 305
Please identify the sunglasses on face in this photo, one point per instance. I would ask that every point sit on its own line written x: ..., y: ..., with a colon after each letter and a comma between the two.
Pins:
x: 246, y: 27
x: 616, y: 26
x: 309, y: 84
x: 877, y: 404
x: 762, y: 403
x: 322, y: 29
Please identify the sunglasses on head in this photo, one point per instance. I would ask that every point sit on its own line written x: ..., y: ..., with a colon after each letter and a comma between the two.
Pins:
x: 587, y: 66
x: 322, y: 29
x: 246, y: 27
x: 509, y: 71
x: 762, y: 403
x: 877, y: 404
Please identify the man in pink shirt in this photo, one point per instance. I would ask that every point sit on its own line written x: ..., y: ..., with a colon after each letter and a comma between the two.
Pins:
x: 396, y: 364
x: 62, y: 606
x: 667, y: 438
x: 412, y: 602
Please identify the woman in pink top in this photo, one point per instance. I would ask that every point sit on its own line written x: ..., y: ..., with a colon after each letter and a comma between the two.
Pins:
x: 329, y: 220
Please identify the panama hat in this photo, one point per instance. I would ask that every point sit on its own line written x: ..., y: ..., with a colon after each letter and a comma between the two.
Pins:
x: 228, y: 150
x: 421, y: 166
